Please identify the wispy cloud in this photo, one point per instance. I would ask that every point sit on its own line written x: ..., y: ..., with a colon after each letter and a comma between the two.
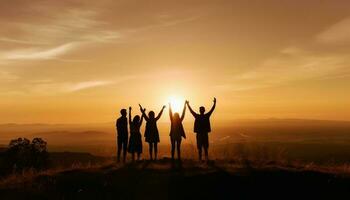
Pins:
x: 11, y: 40
x: 294, y: 64
x: 70, y: 25
x: 50, y: 87
x: 38, y: 53
x: 61, y: 32
x: 291, y: 65
x: 338, y: 33
x: 7, y: 76
x: 57, y: 31
x: 162, y: 21
x: 166, y: 20
x: 103, y: 36
x: 86, y: 85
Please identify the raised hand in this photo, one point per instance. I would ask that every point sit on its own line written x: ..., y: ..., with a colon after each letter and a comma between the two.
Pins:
x: 141, y: 109
x: 212, y: 108
x: 164, y: 107
x: 130, y: 115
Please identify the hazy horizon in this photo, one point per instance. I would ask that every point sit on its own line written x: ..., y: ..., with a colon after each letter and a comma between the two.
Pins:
x: 187, y: 121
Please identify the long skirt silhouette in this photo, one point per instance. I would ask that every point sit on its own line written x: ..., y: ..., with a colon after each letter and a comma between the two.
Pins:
x: 135, y: 143
x: 151, y: 132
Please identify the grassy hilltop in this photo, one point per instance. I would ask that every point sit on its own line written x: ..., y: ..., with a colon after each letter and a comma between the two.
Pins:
x: 165, y: 179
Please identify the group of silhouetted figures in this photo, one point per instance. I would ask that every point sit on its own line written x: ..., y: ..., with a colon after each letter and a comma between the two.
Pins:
x: 133, y: 145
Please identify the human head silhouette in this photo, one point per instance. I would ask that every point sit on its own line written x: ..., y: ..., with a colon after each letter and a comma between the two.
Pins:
x: 123, y: 112
x: 201, y: 110
x: 176, y: 116
x: 151, y: 114
x: 136, y: 119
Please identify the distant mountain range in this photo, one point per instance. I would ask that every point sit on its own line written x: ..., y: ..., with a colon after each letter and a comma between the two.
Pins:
x: 100, y: 137
x: 18, y: 127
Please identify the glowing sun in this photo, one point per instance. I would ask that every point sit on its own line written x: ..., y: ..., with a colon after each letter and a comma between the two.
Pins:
x: 176, y: 103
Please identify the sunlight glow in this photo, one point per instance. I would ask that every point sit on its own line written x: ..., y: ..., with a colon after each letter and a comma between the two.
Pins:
x: 176, y: 103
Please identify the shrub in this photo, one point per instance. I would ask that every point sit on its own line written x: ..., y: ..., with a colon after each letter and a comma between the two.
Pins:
x: 23, y: 154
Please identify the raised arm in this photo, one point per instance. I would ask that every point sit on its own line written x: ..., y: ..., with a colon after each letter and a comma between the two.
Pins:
x: 160, y: 113
x: 143, y: 112
x: 130, y: 115
x: 170, y: 113
x: 183, y: 112
x: 189, y: 107
x: 212, y: 108
x: 142, y: 116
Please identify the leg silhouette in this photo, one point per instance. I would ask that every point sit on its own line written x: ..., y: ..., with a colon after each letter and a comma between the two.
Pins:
x: 206, y: 154
x: 155, y: 151
x: 178, y: 144
x: 119, y: 149
x: 138, y: 156
x: 133, y: 156
x: 124, y: 151
x: 172, y: 149
x: 200, y: 154
x: 150, y: 150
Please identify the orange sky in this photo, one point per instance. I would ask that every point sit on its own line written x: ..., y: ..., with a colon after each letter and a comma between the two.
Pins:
x: 79, y: 62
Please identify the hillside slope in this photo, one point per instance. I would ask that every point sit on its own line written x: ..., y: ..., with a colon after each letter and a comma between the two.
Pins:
x: 189, y: 180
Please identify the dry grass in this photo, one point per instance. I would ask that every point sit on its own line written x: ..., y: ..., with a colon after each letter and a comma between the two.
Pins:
x: 242, y: 156
x: 262, y: 157
x: 26, y: 176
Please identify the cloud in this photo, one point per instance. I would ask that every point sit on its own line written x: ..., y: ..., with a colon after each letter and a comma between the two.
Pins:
x: 68, y: 25
x: 52, y: 29
x: 103, y: 36
x: 11, y: 40
x: 87, y: 84
x: 167, y: 21
x: 338, y: 33
x: 63, y: 30
x: 7, y: 76
x: 291, y: 65
x: 162, y: 21
x: 38, y: 54
x: 50, y: 87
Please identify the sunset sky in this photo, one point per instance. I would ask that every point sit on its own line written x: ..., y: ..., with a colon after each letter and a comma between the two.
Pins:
x: 82, y: 61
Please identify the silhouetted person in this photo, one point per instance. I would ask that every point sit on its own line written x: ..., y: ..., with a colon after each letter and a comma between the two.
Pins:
x: 151, y: 132
x: 122, y: 134
x: 202, y: 128
x: 135, y: 141
x: 176, y: 131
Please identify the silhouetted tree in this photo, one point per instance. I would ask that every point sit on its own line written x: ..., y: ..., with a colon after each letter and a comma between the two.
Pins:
x: 23, y: 154
x: 40, y: 156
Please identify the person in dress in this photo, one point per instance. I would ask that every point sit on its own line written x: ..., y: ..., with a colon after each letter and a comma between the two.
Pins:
x: 151, y: 132
x: 135, y: 141
x: 177, y: 131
